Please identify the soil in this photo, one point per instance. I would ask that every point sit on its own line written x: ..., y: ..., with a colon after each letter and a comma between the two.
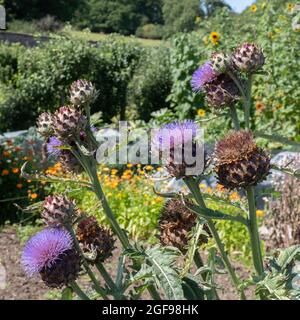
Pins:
x: 20, y: 287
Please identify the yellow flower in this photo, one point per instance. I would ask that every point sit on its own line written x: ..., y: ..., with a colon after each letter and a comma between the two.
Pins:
x: 290, y: 6
x: 201, y: 113
x: 214, y: 37
x: 202, y: 186
x: 33, y: 196
x: 234, y: 196
x: 259, y: 106
x: 15, y: 170
x: 129, y: 165
x: 148, y: 168
x: 19, y: 186
x: 220, y: 188
x: 159, y: 169
x: 5, y: 172
x: 114, y: 172
x: 253, y: 8
x: 260, y: 213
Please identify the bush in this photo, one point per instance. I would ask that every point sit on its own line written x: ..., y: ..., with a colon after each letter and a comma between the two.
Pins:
x: 44, y: 74
x: 151, y: 83
x: 150, y: 31
x: 49, y: 24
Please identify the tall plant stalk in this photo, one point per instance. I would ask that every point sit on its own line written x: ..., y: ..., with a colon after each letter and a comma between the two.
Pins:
x: 194, y: 188
x: 253, y: 231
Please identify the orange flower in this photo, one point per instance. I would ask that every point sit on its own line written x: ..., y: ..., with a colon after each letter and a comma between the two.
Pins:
x: 9, y: 142
x: 220, y: 188
x: 17, y: 149
x: 15, y: 170
x: 6, y: 153
x: 33, y: 196
x: 260, y: 106
x: 5, y: 172
x: 234, y: 196
x: 19, y: 186
x: 209, y: 190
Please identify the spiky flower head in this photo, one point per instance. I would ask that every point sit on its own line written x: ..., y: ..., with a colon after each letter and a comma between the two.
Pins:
x: 177, y: 147
x: 45, y: 124
x: 68, y: 122
x: 239, y: 161
x: 50, y: 253
x: 59, y: 211
x: 203, y: 75
x: 221, y: 92
x: 96, y: 241
x: 248, y: 57
x: 220, y: 62
x: 175, y: 223
x: 70, y: 163
x: 82, y: 92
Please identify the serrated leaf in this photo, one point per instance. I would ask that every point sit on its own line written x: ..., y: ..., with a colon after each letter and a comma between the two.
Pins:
x: 287, y: 256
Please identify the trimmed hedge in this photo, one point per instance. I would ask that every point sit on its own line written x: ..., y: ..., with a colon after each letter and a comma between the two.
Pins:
x: 37, y: 79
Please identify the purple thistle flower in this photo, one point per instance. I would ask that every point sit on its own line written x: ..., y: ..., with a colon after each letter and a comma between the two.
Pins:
x: 179, y: 132
x: 53, y: 147
x: 203, y: 75
x: 44, y: 249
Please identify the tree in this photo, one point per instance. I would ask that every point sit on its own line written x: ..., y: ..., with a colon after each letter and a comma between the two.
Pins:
x: 180, y: 16
x: 211, y: 6
x: 36, y: 9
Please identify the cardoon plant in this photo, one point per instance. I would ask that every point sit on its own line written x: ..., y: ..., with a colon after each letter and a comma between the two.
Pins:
x: 186, y: 222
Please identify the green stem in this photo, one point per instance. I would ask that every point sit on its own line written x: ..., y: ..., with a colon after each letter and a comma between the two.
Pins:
x: 78, y: 291
x: 248, y: 103
x: 113, y: 222
x: 198, y: 260
x: 153, y: 292
x: 194, y: 188
x: 234, y: 117
x: 109, y: 281
x: 254, y: 235
x: 86, y: 265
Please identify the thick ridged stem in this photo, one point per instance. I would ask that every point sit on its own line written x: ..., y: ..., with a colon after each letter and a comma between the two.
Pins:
x: 78, y: 291
x: 254, y: 235
x: 248, y: 103
x: 194, y: 188
x: 234, y: 117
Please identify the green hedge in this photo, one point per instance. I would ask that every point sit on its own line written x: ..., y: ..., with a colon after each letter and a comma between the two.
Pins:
x: 38, y: 79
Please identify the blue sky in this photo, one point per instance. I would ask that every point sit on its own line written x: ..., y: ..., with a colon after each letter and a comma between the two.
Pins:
x: 239, y: 5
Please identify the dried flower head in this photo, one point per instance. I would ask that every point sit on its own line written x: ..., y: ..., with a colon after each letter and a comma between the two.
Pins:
x: 239, y: 161
x: 175, y: 224
x: 50, y: 253
x: 95, y: 239
x: 221, y: 92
